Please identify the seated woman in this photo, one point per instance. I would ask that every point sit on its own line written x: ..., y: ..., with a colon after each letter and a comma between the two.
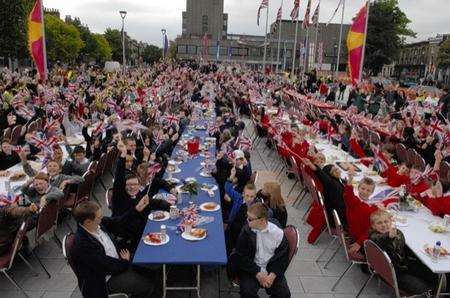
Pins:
x: 271, y: 193
x: 8, y: 157
x: 412, y: 275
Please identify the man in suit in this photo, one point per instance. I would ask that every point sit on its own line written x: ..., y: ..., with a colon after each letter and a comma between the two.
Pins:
x: 101, y: 268
x: 261, y: 256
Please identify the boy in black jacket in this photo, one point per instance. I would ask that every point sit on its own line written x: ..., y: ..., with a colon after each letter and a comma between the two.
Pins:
x: 261, y: 256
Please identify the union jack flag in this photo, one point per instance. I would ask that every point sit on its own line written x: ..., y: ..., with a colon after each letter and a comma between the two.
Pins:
x: 295, y: 10
x: 315, y: 17
x: 44, y: 143
x: 243, y: 143
x: 435, y: 127
x: 98, y: 129
x: 279, y: 17
x: 264, y: 4
x: 306, y: 23
x: 51, y: 125
x: 171, y: 119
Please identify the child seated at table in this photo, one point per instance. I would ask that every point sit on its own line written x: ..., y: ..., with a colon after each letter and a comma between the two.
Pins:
x: 261, y: 256
x: 79, y: 164
x: 412, y: 275
x: 358, y: 210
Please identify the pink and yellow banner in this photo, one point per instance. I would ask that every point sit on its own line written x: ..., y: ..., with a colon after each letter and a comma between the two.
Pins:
x: 36, y: 39
x: 356, y: 43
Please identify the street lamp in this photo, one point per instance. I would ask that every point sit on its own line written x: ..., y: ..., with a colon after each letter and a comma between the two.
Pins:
x: 335, y: 57
x: 122, y: 15
x: 163, y: 31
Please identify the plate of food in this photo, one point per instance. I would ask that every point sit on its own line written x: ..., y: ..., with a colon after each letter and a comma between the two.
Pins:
x: 371, y: 173
x: 190, y: 180
x: 345, y: 165
x: 208, y: 187
x: 200, y: 127
x: 205, y: 174
x: 156, y: 239
x: 209, y: 207
x: 16, y: 176
x: 195, y: 234
x: 210, y: 139
x: 438, y: 228
x: 173, y: 180
x: 428, y: 250
x: 159, y: 216
x: 400, y: 221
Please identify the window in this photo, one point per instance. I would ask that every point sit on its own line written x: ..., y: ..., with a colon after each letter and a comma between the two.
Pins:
x: 192, y: 49
x: 205, y: 24
x: 181, y: 49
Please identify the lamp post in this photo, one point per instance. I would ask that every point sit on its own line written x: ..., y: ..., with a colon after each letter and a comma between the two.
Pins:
x: 335, y: 58
x: 163, y: 32
x: 122, y: 15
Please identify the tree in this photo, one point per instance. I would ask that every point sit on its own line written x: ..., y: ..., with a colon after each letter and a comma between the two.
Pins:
x: 443, y: 57
x: 151, y: 54
x: 88, y: 52
x: 114, y: 38
x: 103, y: 50
x: 386, y: 33
x: 172, y: 52
x: 13, y: 27
x: 63, y: 40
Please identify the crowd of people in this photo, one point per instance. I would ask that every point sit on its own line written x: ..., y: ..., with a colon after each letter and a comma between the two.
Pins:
x: 141, y: 114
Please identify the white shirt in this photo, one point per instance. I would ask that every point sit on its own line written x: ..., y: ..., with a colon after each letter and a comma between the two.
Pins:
x: 108, y: 245
x: 267, y: 241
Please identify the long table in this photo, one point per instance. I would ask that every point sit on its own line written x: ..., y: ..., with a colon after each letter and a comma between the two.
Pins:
x: 416, y: 230
x: 178, y: 251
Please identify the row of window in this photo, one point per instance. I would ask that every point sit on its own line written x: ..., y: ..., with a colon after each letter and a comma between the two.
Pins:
x: 235, y: 51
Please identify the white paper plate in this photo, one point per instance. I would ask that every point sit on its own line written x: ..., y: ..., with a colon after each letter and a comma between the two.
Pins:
x: 401, y: 224
x: 178, y: 188
x: 158, y: 244
x: 214, y: 187
x: 166, y: 216
x: 189, y: 237
x: 190, y: 179
x: 202, y: 207
x: 178, y: 170
x: 203, y: 174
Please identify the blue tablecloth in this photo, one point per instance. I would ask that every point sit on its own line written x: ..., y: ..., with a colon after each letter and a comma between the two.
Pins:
x: 210, y: 251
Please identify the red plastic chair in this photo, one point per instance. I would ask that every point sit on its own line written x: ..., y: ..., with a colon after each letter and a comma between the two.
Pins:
x: 293, y: 239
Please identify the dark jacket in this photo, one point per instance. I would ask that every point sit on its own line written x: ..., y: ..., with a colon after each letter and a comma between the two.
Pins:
x: 242, y: 259
x: 91, y: 263
x: 121, y: 200
x: 7, y: 161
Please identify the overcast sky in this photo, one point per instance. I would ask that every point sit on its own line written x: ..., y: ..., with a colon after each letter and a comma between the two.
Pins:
x: 145, y: 18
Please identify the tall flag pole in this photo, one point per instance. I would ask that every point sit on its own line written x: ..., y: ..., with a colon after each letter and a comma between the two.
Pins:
x: 365, y: 41
x: 218, y: 49
x: 36, y: 39
x: 315, y: 21
x: 338, y: 60
x: 166, y: 46
x: 265, y: 4
x: 305, y: 25
x: 356, y: 40
x: 294, y: 16
x: 279, y: 18
x: 334, y: 13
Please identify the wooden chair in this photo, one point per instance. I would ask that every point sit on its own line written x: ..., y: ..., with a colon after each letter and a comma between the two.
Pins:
x: 381, y: 265
x: 7, y: 133
x: 400, y: 151
x: 7, y: 259
x: 47, y: 221
x: 101, y: 166
x: 15, y: 134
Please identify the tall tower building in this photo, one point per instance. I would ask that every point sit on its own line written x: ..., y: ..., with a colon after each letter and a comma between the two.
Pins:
x: 205, y: 17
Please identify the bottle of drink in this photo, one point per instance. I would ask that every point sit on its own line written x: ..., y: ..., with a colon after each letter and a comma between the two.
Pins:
x: 163, y: 232
x: 437, y: 250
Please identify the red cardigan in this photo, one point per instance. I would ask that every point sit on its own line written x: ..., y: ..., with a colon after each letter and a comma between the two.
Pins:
x: 358, y: 215
x: 438, y: 206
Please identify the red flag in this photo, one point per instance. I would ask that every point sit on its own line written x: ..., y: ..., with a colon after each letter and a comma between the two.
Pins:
x: 36, y: 39
x: 356, y: 43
